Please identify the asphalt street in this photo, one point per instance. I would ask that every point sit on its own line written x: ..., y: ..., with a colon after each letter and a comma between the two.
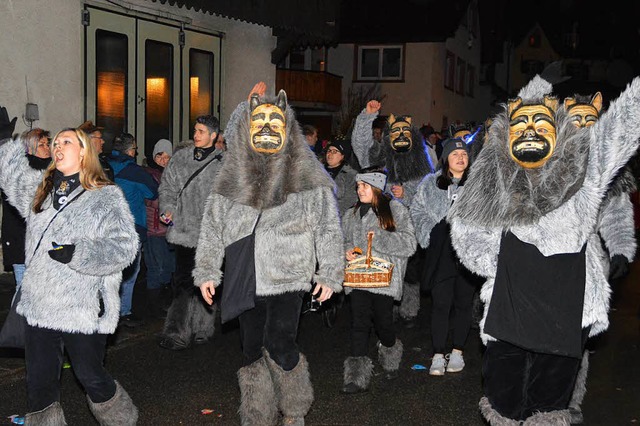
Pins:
x: 172, y: 388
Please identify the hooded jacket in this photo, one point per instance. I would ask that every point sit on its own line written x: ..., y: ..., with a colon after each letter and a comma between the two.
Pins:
x: 299, y: 224
x: 66, y: 297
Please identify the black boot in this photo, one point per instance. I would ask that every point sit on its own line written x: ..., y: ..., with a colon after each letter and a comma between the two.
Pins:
x: 155, y: 308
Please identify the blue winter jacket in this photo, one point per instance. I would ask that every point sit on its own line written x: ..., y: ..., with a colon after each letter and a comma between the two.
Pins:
x: 137, y: 186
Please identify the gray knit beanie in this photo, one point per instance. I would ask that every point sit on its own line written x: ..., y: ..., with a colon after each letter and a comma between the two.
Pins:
x: 375, y: 179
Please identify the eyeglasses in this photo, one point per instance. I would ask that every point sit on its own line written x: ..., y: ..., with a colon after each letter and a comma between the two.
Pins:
x: 333, y: 151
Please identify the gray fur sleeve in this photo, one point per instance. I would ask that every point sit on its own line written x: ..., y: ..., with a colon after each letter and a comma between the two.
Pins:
x: 322, y: 213
x: 617, y: 228
x: 423, y: 214
x: 232, y: 124
x: 169, y: 189
x: 410, y: 189
x: 402, y: 241
x: 113, y: 237
x: 615, y: 135
x: 17, y: 179
x: 348, y: 220
x: 476, y: 247
x: 210, y: 249
x: 362, y: 137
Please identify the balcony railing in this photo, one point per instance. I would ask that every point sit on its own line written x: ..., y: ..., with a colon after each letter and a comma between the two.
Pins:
x: 310, y: 89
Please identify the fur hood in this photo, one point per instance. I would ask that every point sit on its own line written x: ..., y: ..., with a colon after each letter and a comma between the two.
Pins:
x: 501, y: 193
x: 264, y: 181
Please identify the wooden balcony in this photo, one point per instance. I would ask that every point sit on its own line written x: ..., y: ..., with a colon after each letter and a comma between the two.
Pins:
x: 310, y: 89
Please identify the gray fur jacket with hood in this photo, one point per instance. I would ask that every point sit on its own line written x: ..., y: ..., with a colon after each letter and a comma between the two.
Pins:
x: 346, y: 188
x: 66, y: 297
x: 555, y: 207
x: 299, y: 224
x: 187, y: 208
x: 430, y: 205
x: 395, y: 247
x: 406, y: 169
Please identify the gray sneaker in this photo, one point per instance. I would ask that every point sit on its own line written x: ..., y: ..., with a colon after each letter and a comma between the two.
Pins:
x: 455, y: 362
x: 438, y: 364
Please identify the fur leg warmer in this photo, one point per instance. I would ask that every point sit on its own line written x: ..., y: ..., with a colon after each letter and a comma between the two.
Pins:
x: 410, y: 303
x: 257, y: 396
x: 492, y: 416
x: 50, y: 416
x: 188, y: 316
x: 579, y: 390
x: 549, y: 418
x: 294, y: 391
x: 203, y: 320
x: 118, y: 411
x: 390, y: 357
x: 357, y: 371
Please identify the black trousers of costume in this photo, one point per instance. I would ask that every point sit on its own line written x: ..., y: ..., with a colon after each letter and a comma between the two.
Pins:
x: 370, y: 310
x: 272, y: 324
x: 44, y: 350
x: 519, y: 383
x: 185, y: 262
x: 455, y: 292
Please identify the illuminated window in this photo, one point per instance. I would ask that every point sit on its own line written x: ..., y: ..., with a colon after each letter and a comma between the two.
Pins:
x: 200, y: 84
x: 111, y: 82
x: 159, y: 94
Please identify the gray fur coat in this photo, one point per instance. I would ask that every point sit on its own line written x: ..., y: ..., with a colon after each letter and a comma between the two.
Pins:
x: 430, y: 205
x: 346, y: 189
x: 395, y: 247
x: 299, y: 226
x: 65, y: 297
x: 188, y: 208
x: 566, y: 217
x: 363, y: 145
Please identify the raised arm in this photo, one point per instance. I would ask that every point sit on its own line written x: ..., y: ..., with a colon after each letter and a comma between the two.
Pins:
x: 17, y: 179
x: 362, y: 136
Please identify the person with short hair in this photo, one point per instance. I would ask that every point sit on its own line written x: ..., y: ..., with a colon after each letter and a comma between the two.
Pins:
x: 95, y: 135
x: 186, y: 182
x: 137, y: 186
x: 336, y: 156
x: 80, y: 236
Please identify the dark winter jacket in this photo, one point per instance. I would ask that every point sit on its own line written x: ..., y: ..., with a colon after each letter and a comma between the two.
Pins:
x: 137, y: 186
x: 346, y: 188
x: 14, y: 226
x: 155, y: 227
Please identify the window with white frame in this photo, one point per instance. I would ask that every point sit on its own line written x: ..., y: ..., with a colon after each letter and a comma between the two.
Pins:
x: 380, y: 62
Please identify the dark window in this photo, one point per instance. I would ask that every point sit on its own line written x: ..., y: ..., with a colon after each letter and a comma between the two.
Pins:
x: 449, y: 70
x: 380, y: 62
x: 461, y: 68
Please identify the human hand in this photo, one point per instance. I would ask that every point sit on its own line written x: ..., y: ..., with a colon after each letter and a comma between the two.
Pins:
x: 373, y: 106
x: 62, y: 253
x: 6, y: 126
x: 397, y: 191
x: 353, y: 253
x: 208, y: 290
x: 167, y: 218
x: 259, y: 89
x: 322, y: 293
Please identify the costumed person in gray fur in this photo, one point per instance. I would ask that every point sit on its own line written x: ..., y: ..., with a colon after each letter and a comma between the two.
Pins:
x: 404, y: 155
x: 452, y: 286
x: 527, y: 222
x: 615, y: 227
x: 80, y: 236
x: 394, y: 241
x: 186, y: 183
x: 273, y: 213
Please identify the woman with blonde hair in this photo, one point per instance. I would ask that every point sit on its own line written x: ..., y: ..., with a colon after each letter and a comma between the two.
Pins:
x: 80, y: 236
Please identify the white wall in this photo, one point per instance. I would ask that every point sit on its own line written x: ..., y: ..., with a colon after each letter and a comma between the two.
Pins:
x: 44, y: 45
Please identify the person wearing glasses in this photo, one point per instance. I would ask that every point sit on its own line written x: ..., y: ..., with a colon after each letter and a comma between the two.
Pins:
x: 96, y: 137
x: 137, y: 186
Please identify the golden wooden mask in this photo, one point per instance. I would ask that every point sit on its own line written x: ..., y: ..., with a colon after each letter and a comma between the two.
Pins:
x: 532, y: 132
x: 584, y: 115
x: 400, y: 133
x: 268, y: 124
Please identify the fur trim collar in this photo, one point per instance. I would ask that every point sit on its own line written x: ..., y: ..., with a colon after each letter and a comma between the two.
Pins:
x: 263, y: 181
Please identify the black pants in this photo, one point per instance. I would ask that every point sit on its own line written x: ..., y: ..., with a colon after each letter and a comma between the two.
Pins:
x: 272, y: 324
x: 456, y: 292
x: 44, y: 354
x: 519, y: 383
x: 185, y: 262
x: 370, y: 310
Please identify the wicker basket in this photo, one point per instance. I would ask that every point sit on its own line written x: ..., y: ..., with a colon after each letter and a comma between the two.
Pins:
x: 368, y: 271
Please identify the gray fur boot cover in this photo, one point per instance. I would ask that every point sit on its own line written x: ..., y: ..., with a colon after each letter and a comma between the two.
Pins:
x: 579, y: 390
x: 50, y: 416
x: 294, y: 391
x: 203, y: 319
x: 410, y: 304
x: 492, y: 416
x: 358, y: 370
x: 257, y: 396
x: 549, y: 418
x: 118, y: 411
x: 389, y: 358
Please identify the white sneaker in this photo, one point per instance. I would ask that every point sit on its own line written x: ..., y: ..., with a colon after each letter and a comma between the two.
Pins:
x: 438, y: 364
x: 455, y: 362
